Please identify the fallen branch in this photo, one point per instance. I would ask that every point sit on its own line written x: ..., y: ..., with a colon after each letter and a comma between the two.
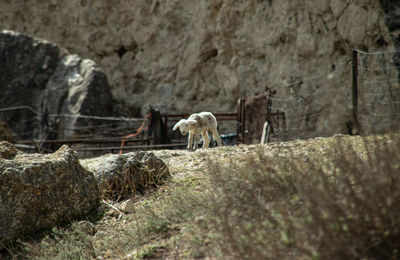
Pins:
x: 114, y: 208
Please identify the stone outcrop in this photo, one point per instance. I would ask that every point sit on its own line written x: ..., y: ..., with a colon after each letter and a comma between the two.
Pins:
x: 188, y: 56
x: 40, y: 191
x: 40, y: 80
x: 121, y: 176
x: 7, y: 150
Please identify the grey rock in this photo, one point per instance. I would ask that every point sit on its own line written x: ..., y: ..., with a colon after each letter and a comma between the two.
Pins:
x: 128, y: 206
x: 120, y: 176
x: 43, y: 80
x: 40, y: 191
x: 7, y: 150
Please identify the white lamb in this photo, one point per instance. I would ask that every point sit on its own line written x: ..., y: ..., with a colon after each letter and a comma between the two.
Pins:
x: 197, y: 124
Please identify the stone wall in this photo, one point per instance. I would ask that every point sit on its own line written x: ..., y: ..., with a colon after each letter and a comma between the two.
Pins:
x: 187, y: 56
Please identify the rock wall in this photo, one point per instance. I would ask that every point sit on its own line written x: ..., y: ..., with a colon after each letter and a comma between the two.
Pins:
x: 186, y: 56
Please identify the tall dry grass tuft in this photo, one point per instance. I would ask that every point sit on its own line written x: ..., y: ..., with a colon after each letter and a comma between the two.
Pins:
x: 354, y: 205
x: 343, y: 203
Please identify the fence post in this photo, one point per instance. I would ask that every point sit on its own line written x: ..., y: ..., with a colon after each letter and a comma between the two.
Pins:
x: 356, y: 124
x: 265, y: 133
x: 240, y: 121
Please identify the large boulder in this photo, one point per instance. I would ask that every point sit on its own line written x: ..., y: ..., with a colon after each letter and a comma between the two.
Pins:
x: 40, y: 191
x: 120, y: 176
x: 39, y: 80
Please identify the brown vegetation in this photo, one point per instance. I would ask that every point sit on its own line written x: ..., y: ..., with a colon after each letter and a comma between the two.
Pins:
x: 325, y: 198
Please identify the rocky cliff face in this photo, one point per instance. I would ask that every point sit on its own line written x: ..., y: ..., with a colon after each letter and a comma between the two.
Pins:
x: 186, y: 56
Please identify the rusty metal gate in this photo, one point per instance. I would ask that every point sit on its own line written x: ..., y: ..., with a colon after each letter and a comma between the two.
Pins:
x: 252, y: 114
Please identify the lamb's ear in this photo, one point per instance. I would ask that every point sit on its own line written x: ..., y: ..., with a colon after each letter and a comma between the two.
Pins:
x: 178, y: 124
x: 191, y: 122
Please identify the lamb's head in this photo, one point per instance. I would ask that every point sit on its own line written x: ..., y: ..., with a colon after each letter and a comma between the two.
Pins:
x: 185, y: 126
x: 182, y: 124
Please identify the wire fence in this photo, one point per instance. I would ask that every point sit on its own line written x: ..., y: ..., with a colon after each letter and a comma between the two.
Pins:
x: 361, y: 94
x: 96, y: 135
x: 370, y: 104
x: 356, y: 96
x: 91, y: 136
x: 305, y: 107
x: 378, y: 91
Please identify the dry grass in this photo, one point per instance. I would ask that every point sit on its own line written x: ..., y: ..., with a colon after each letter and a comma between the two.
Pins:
x: 325, y: 198
x: 344, y: 205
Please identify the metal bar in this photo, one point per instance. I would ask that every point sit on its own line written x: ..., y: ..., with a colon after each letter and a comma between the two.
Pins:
x: 77, y: 141
x: 219, y: 116
x: 238, y: 141
x: 355, y: 91
x: 240, y: 121
x: 32, y: 148
x: 20, y: 107
x: 166, y: 134
x: 186, y: 114
x: 97, y: 117
x: 135, y: 147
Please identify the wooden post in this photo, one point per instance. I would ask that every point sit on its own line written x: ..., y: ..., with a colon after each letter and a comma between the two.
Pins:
x: 166, y: 134
x: 356, y: 125
x: 240, y: 121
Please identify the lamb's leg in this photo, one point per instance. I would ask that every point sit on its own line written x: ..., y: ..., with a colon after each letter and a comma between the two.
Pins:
x: 206, y: 140
x: 196, y: 141
x: 190, y: 140
x: 216, y: 136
